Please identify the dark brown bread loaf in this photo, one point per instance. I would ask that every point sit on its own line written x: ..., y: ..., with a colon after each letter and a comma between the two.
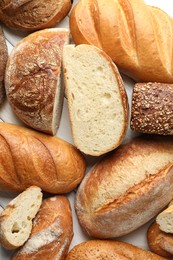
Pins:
x: 3, y: 60
x: 52, y: 232
x: 32, y: 15
x: 152, y: 108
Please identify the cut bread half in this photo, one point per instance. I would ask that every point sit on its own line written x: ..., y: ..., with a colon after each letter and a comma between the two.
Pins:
x: 16, y: 218
x: 33, y: 79
x: 165, y: 220
x: 97, y: 100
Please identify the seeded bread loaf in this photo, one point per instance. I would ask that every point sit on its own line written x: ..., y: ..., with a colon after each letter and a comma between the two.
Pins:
x: 16, y: 218
x: 112, y: 250
x: 52, y: 232
x: 33, y: 15
x: 160, y: 242
x: 33, y: 81
x: 3, y: 60
x: 126, y: 188
x: 97, y: 99
x: 152, y: 108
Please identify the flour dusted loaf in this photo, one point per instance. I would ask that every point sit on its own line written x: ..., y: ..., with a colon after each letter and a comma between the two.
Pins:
x: 32, y: 15
x: 31, y: 158
x: 33, y: 79
x: 107, y: 249
x: 97, y: 99
x: 16, y: 218
x: 152, y: 108
x: 126, y: 188
x: 3, y: 60
x: 52, y: 232
x: 138, y: 37
x: 159, y: 242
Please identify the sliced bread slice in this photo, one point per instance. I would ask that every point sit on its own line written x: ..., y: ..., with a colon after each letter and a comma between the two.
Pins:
x: 33, y: 79
x: 97, y: 100
x: 16, y: 218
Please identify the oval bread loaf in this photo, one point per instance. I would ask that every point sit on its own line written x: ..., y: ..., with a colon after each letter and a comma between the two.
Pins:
x: 31, y: 158
x: 52, y: 232
x: 126, y: 188
x: 33, y: 79
x: 107, y: 249
x: 16, y: 218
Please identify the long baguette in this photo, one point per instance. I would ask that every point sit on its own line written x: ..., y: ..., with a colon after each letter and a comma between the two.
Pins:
x: 31, y: 158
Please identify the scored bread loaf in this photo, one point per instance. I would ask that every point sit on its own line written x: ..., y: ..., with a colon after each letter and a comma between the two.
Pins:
x: 52, y: 232
x: 33, y: 79
x: 152, y: 108
x: 126, y: 188
x: 97, y: 99
x: 33, y: 15
x: 31, y: 158
x: 107, y: 249
x: 138, y: 37
x: 16, y: 218
x: 159, y: 242
x: 3, y: 60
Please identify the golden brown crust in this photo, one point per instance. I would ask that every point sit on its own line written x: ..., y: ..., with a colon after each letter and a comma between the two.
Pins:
x: 32, y: 79
x: 122, y: 30
x: 159, y: 242
x: 110, y: 200
x: 107, y: 249
x: 32, y: 15
x: 31, y: 158
x: 3, y: 60
x: 52, y: 231
x: 152, y: 105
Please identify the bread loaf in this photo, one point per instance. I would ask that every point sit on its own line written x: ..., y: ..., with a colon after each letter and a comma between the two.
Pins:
x: 138, y: 37
x: 152, y: 108
x: 165, y: 220
x: 107, y: 249
x: 16, y: 218
x: 31, y: 158
x: 126, y: 188
x: 97, y: 99
x: 33, y: 79
x: 52, y: 232
x: 3, y: 60
x: 33, y: 15
x: 160, y: 242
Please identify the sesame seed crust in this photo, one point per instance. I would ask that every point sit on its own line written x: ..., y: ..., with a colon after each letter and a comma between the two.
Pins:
x: 152, y: 108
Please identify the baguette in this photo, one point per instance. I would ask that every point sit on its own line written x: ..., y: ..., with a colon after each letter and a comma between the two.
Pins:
x: 152, y: 107
x: 159, y: 242
x: 3, y: 61
x: 52, y: 232
x: 33, y: 79
x: 126, y: 188
x: 107, y: 249
x: 33, y: 15
x: 138, y: 37
x: 97, y: 100
x: 31, y: 158
x: 16, y: 218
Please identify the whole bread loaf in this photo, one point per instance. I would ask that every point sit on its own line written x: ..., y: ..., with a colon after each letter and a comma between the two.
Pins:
x: 16, y: 218
x: 126, y: 188
x: 33, y: 81
x: 112, y: 250
x: 97, y: 99
x: 3, y: 61
x: 138, y: 37
x: 52, y: 232
x: 30, y: 158
x: 32, y: 15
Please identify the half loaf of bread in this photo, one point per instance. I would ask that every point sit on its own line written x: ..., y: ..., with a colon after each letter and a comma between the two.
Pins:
x: 33, y: 79
x: 32, y: 15
x: 16, y: 218
x: 97, y: 99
